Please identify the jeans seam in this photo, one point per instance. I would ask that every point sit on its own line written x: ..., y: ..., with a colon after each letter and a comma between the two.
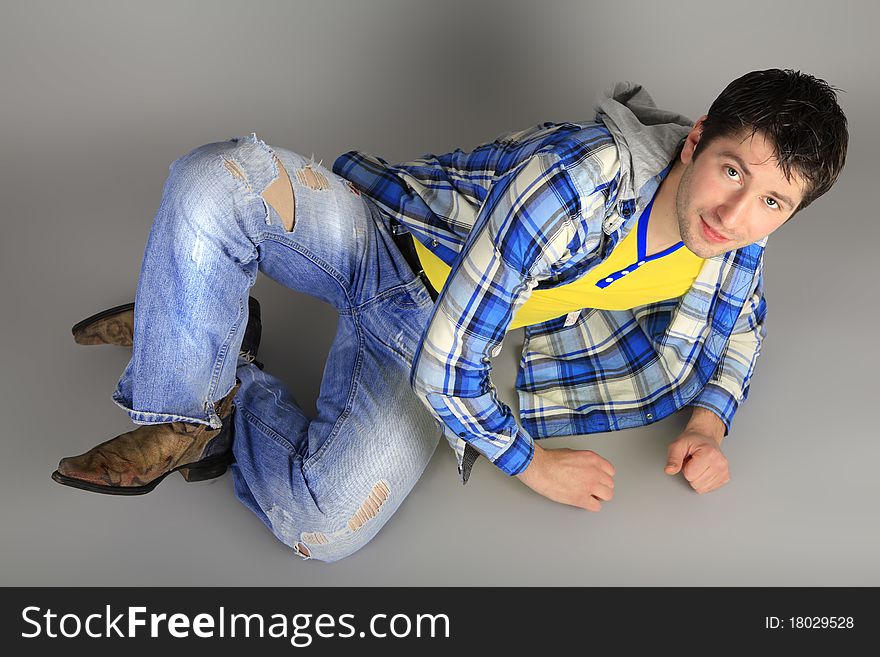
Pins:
x: 220, y: 361
x: 349, y: 403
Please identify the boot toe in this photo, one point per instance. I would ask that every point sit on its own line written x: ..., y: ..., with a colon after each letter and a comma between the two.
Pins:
x: 76, y: 467
x: 114, y: 330
x: 111, y: 326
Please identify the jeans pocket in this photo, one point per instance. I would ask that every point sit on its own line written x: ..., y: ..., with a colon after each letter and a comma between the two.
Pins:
x: 399, y: 321
x: 415, y: 296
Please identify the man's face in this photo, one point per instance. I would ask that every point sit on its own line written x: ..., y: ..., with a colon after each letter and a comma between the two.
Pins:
x: 732, y: 194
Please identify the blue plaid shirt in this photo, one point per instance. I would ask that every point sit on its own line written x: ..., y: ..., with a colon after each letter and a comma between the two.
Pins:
x: 537, y: 209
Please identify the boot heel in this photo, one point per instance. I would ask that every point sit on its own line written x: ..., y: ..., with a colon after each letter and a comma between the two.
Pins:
x: 203, y: 472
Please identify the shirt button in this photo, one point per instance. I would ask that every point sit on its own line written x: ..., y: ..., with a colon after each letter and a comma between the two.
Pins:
x: 609, y: 280
x: 434, y: 242
x: 462, y: 434
x: 624, y: 272
x: 649, y: 416
x: 641, y: 263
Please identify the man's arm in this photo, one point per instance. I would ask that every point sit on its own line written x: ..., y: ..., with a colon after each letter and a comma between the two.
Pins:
x: 521, y: 226
x: 523, y: 229
x: 730, y: 386
x: 697, y: 451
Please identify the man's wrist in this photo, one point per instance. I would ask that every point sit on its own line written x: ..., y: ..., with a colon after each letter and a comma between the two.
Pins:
x: 706, y: 422
x: 531, y: 470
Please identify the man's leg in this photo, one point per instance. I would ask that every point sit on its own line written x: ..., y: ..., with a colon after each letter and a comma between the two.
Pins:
x: 327, y: 486
x: 218, y: 224
x: 213, y: 232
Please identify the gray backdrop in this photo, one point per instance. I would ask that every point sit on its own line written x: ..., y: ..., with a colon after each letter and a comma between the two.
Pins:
x: 100, y: 97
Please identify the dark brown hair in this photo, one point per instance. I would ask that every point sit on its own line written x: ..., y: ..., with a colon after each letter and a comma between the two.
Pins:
x: 797, y: 113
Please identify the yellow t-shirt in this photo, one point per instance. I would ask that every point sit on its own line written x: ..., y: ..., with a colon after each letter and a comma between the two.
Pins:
x: 622, y: 281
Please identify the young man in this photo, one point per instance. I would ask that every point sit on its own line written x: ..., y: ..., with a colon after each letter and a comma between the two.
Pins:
x: 631, y: 247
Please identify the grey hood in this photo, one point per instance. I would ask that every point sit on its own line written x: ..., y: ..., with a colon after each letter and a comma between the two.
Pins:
x: 647, y: 138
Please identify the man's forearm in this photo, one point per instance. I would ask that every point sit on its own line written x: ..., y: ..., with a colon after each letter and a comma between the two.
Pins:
x: 707, y: 422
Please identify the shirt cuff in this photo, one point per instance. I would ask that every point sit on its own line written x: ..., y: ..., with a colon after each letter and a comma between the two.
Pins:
x: 719, y: 401
x: 517, y: 457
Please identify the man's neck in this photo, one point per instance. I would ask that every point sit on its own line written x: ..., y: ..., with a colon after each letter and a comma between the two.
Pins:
x: 663, y: 224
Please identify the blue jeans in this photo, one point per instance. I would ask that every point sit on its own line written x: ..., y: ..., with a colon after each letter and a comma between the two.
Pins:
x: 323, y: 486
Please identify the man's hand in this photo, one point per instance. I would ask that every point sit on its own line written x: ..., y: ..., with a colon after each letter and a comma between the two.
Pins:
x: 699, y: 452
x: 580, y: 478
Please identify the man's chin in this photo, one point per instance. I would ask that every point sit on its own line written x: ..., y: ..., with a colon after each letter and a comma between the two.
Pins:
x: 706, y: 251
x: 702, y: 248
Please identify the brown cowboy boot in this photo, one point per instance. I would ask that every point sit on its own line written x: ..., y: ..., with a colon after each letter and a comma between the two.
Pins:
x: 134, y: 463
x: 116, y: 326
x: 112, y: 326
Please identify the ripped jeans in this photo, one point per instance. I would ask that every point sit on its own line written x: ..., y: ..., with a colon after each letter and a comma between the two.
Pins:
x: 323, y: 486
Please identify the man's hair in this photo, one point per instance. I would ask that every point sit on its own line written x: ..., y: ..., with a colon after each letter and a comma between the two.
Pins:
x: 797, y: 113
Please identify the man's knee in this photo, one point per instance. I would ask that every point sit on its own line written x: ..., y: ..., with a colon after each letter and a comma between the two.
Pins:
x: 279, y: 194
x: 333, y: 541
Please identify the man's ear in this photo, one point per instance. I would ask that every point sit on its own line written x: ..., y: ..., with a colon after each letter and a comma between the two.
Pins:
x: 692, y: 139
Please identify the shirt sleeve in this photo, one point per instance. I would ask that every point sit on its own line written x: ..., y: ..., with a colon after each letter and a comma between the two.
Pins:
x: 730, y: 386
x: 522, y: 229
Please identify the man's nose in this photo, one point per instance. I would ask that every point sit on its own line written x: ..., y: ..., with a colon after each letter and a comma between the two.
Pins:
x: 733, y: 210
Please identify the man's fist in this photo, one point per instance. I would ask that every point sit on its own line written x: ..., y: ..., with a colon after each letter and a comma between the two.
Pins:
x: 580, y: 478
x: 699, y: 457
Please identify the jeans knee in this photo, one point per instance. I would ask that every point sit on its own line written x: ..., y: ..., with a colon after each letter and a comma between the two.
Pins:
x: 331, y: 540
x: 194, y: 191
x: 200, y: 213
x: 197, y: 170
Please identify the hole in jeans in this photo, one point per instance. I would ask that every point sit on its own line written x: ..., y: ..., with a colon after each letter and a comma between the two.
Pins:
x: 237, y: 171
x: 370, y: 508
x: 310, y: 178
x: 280, y: 196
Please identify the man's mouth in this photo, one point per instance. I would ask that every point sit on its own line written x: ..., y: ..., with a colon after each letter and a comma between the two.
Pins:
x: 711, y: 234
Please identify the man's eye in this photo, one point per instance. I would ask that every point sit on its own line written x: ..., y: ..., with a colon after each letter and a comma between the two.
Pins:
x: 735, y: 172
x: 773, y: 201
